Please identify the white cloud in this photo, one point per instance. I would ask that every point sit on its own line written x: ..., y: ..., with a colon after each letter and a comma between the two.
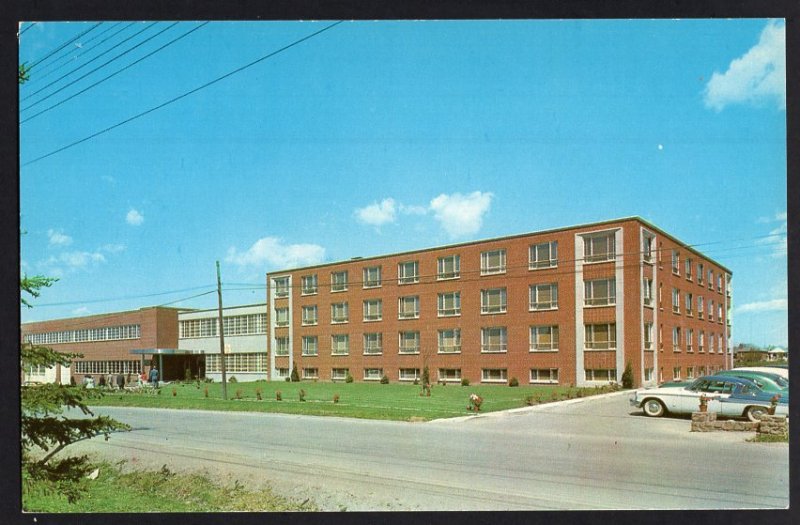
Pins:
x: 271, y: 252
x: 81, y: 311
x: 756, y: 77
x: 459, y: 214
x: 776, y: 238
x: 377, y: 214
x: 764, y: 306
x: 58, y: 238
x: 112, y: 248
x: 81, y: 259
x: 134, y: 218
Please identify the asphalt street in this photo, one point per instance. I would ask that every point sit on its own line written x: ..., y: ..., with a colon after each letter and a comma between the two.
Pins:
x: 596, y: 453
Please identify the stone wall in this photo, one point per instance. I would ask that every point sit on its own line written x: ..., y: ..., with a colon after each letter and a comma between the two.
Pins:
x: 707, y: 422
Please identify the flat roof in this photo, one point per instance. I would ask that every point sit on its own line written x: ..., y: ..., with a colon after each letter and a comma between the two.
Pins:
x: 513, y: 236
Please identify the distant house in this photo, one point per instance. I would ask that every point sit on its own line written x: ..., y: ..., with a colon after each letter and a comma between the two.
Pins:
x: 777, y: 354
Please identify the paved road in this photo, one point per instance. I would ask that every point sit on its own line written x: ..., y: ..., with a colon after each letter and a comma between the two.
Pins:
x: 593, y: 454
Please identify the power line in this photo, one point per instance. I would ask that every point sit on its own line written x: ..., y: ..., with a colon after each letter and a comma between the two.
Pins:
x: 122, y: 298
x: 59, y: 90
x: 62, y: 46
x: 26, y: 29
x: 186, y: 94
x: 85, y: 51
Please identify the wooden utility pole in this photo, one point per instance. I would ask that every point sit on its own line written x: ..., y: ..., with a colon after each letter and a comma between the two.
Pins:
x: 221, y: 337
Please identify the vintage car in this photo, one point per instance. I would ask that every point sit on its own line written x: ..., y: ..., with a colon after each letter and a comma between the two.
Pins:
x: 781, y: 371
x: 766, y: 381
x: 726, y: 395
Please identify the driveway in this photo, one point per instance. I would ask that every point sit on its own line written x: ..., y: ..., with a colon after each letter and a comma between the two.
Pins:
x: 595, y: 453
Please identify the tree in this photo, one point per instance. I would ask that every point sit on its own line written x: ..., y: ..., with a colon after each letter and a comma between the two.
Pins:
x: 627, y: 376
x: 45, y: 430
x: 24, y: 74
x: 295, y: 374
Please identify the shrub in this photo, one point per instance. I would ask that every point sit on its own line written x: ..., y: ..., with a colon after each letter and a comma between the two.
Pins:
x: 258, y: 393
x: 349, y: 378
x: 295, y: 374
x: 287, y: 379
x: 238, y: 393
x: 174, y: 391
x: 416, y: 382
x: 233, y: 379
x: 554, y: 396
x: 187, y: 375
x: 278, y: 396
x: 302, y: 394
x: 627, y: 376
x: 205, y: 391
x: 464, y: 381
x: 426, y: 376
x: 529, y: 400
x: 513, y: 382
x: 385, y: 380
x: 335, y: 398
x: 579, y: 393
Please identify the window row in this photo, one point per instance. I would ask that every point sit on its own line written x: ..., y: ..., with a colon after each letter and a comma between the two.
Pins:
x: 250, y: 324
x: 689, y: 302
x: 106, y: 333
x: 689, y: 265
x: 244, y: 362
x: 108, y: 367
x: 690, y: 372
x: 681, y: 335
x: 488, y: 375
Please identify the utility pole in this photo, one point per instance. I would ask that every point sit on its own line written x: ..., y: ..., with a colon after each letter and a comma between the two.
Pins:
x: 221, y: 337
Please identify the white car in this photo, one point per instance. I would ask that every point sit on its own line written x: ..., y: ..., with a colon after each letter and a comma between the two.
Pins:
x: 727, y: 396
x: 783, y: 372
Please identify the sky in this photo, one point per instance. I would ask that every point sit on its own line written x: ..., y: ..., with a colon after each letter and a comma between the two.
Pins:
x: 319, y: 142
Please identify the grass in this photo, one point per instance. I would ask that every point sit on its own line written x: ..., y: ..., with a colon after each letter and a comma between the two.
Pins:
x: 769, y: 438
x: 116, y: 491
x: 394, y: 401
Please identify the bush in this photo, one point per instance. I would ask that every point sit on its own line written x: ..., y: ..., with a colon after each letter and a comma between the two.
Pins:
x: 187, y: 375
x: 287, y: 379
x: 302, y: 394
x: 258, y: 393
x: 174, y: 392
x: 233, y: 379
x: 464, y: 381
x: 295, y: 374
x: 385, y: 380
x: 426, y: 376
x: 278, y: 396
x: 205, y: 391
x: 335, y: 398
x: 513, y: 382
x: 416, y: 382
x: 627, y: 377
x: 349, y: 378
x: 529, y: 400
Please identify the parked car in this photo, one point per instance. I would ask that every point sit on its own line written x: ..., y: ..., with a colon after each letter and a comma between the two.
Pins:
x: 727, y: 395
x: 783, y: 372
x: 766, y: 381
x: 670, y: 384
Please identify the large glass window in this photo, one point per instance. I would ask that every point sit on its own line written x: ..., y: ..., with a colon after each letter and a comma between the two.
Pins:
x: 647, y: 291
x: 450, y: 341
x: 599, y: 247
x: 543, y: 255
x: 281, y: 286
x: 373, y: 374
x: 409, y: 374
x: 339, y: 281
x: 600, y: 292
x: 282, y: 316
x: 544, y: 296
x: 494, y: 339
x: 601, y: 374
x: 308, y: 284
x: 601, y: 336
x: 372, y: 277
x: 449, y: 267
x: 339, y: 313
x: 310, y: 345
x: 494, y: 375
x: 493, y: 262
x: 544, y: 375
x: 340, y: 344
x: 373, y: 310
x: 449, y: 374
x: 409, y: 342
x: 310, y: 316
x: 281, y: 346
x: 676, y: 262
x: 544, y: 338
x: 648, y: 336
x: 449, y: 304
x: 408, y: 272
x: 373, y: 344
x: 493, y: 301
x: 408, y: 307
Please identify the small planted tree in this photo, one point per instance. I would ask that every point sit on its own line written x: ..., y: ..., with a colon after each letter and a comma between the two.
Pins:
x: 385, y: 379
x: 627, y: 377
x: 514, y: 382
x: 295, y: 374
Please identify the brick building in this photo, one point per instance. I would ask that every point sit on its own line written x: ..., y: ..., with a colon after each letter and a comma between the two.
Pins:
x: 121, y: 342
x: 571, y: 305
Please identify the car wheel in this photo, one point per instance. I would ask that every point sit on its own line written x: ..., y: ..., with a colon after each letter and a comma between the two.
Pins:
x: 755, y: 414
x: 653, y: 408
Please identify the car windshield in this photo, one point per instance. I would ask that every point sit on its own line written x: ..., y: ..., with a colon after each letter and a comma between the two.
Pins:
x: 784, y: 383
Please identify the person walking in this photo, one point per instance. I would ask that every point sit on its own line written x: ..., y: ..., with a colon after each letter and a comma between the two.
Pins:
x: 154, y: 376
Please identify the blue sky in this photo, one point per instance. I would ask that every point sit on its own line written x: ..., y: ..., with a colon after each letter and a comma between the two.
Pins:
x: 380, y: 137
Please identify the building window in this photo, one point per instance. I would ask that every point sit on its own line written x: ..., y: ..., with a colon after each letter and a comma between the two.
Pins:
x: 647, y: 248
x: 493, y: 262
x: 409, y: 342
x: 710, y: 343
x: 702, y: 371
x: 543, y: 296
x: 409, y: 374
x: 340, y: 344
x: 373, y: 374
x: 280, y: 373
x: 106, y: 333
x: 281, y: 346
x: 711, y: 279
x: 100, y: 367
x: 606, y: 375
x: 373, y: 344
x: 719, y: 283
x: 281, y: 286
x: 700, y: 307
x: 689, y: 372
x: 648, y: 374
x: 449, y: 304
x: 719, y: 312
x: 449, y: 374
x: 494, y: 375
x: 599, y: 248
x: 700, y: 273
x: 676, y: 262
x: 676, y: 301
x: 710, y: 310
x: 544, y: 375
x: 339, y: 374
x: 339, y: 281
x: 720, y: 348
x: 310, y: 345
x: 648, y: 336
x: 676, y: 373
x: 373, y: 310
x: 310, y: 373
x: 339, y: 313
x: 372, y: 277
x: 493, y: 301
x: 310, y: 316
x: 408, y: 272
x: 688, y: 268
x: 450, y: 341
x: 308, y: 284
x: 494, y: 339
x: 600, y: 336
x: 701, y: 342
x: 408, y: 307
x: 448, y: 267
x: 543, y: 255
x: 689, y: 340
x: 647, y: 291
x: 676, y: 339
x: 282, y: 316
x: 544, y: 338
x: 600, y: 292
x: 689, y: 303
x: 239, y: 362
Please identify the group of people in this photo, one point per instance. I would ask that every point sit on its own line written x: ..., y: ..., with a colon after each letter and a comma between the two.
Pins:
x: 119, y: 381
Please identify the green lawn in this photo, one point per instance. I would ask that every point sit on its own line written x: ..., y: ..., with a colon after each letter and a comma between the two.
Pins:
x: 362, y: 400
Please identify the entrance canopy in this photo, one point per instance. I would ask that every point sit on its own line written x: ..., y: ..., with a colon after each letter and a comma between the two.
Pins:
x: 180, y: 364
